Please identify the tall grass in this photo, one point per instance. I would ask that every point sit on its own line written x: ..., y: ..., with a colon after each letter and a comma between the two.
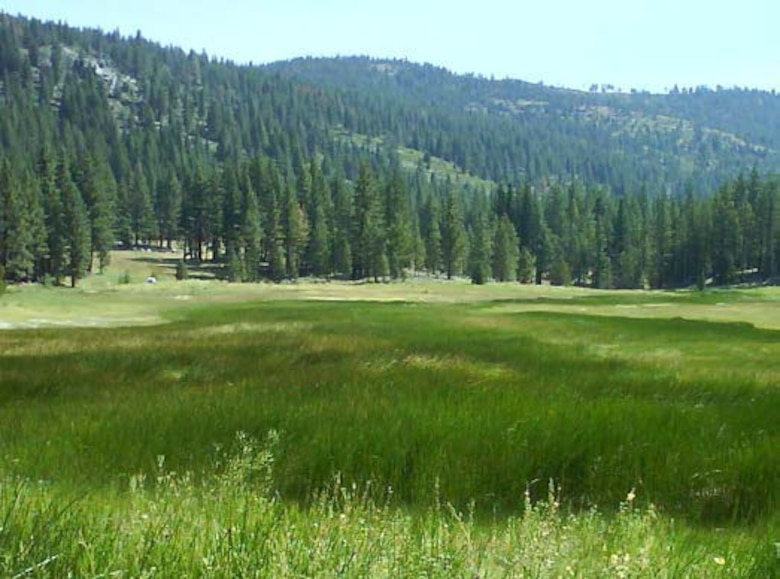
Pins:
x: 454, y: 408
x: 407, y: 395
x: 231, y: 524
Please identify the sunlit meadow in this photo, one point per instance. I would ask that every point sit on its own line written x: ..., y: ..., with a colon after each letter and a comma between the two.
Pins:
x: 281, y: 431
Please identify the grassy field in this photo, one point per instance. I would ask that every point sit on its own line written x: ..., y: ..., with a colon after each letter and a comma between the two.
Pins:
x: 425, y: 428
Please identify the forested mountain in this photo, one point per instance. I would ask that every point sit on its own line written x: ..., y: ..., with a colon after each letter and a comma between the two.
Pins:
x: 510, y: 129
x: 366, y: 169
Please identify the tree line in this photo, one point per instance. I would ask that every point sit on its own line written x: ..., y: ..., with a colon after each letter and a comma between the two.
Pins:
x: 261, y: 220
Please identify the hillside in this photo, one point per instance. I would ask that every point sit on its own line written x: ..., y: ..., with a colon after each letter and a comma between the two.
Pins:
x: 500, y: 130
x: 361, y: 168
x: 621, y: 139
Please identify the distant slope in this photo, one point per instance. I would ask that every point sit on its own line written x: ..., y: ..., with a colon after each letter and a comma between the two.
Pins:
x: 138, y: 103
x: 700, y: 135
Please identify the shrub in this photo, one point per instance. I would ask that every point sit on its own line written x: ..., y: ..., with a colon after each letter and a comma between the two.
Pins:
x: 560, y: 274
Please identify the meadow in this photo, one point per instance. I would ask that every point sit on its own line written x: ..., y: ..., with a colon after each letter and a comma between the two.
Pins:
x: 199, y: 428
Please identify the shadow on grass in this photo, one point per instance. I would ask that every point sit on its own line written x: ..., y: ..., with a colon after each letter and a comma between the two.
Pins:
x: 347, y: 400
x: 195, y: 270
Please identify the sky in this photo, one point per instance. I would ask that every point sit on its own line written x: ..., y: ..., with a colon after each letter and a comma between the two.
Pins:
x: 630, y: 44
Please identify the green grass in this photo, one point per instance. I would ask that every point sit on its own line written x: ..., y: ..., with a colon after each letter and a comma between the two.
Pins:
x: 230, y: 524
x: 458, y: 401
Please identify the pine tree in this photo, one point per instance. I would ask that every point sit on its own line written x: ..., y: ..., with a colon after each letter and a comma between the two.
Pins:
x: 726, y: 245
x: 34, y: 225
x: 661, y: 242
x: 342, y: 224
x: 269, y: 183
x: 196, y: 218
x: 122, y: 221
x: 506, y: 251
x: 742, y: 233
x: 533, y: 232
x: 251, y: 234
x: 140, y: 207
x: 368, y: 258
x: 627, y: 245
x: 480, y: 253
x: 169, y: 209
x: 319, y: 249
x: 418, y: 245
x: 399, y: 239
x: 296, y: 232
x: 17, y: 244
x: 772, y: 234
x: 52, y: 182
x: 232, y: 218
x: 97, y: 188
x: 453, y: 236
x: 560, y: 273
x: 235, y: 265
x: 78, y: 243
x: 526, y: 266
x: 215, y: 220
x: 430, y: 227
x: 602, y: 272
x: 753, y: 221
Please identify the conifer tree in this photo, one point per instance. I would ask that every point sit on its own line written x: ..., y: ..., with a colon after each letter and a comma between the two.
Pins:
x: 626, y: 245
x: 319, y: 250
x: 17, y: 242
x: 96, y: 185
x: 453, y: 236
x: 368, y: 258
x: 526, y: 269
x: 169, y: 211
x: 726, y: 245
x: 196, y: 218
x: 560, y: 274
x: 430, y: 227
x: 480, y: 252
x: 52, y: 182
x: 296, y: 232
x: 232, y: 207
x: 506, y: 251
x: 342, y: 227
x: 602, y: 271
x: 251, y: 234
x: 76, y: 227
x: 772, y: 228
x: 140, y: 207
x: 122, y: 221
x: 661, y: 241
x: 399, y: 239
x: 270, y: 184
x: 577, y: 229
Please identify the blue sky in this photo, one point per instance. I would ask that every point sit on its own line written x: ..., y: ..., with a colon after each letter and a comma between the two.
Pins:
x: 643, y: 44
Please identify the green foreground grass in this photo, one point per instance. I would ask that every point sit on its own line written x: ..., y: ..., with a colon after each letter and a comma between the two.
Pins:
x: 500, y: 431
x: 230, y: 524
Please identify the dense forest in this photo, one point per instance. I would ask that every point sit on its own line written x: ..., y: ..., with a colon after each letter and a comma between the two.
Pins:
x: 362, y: 169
